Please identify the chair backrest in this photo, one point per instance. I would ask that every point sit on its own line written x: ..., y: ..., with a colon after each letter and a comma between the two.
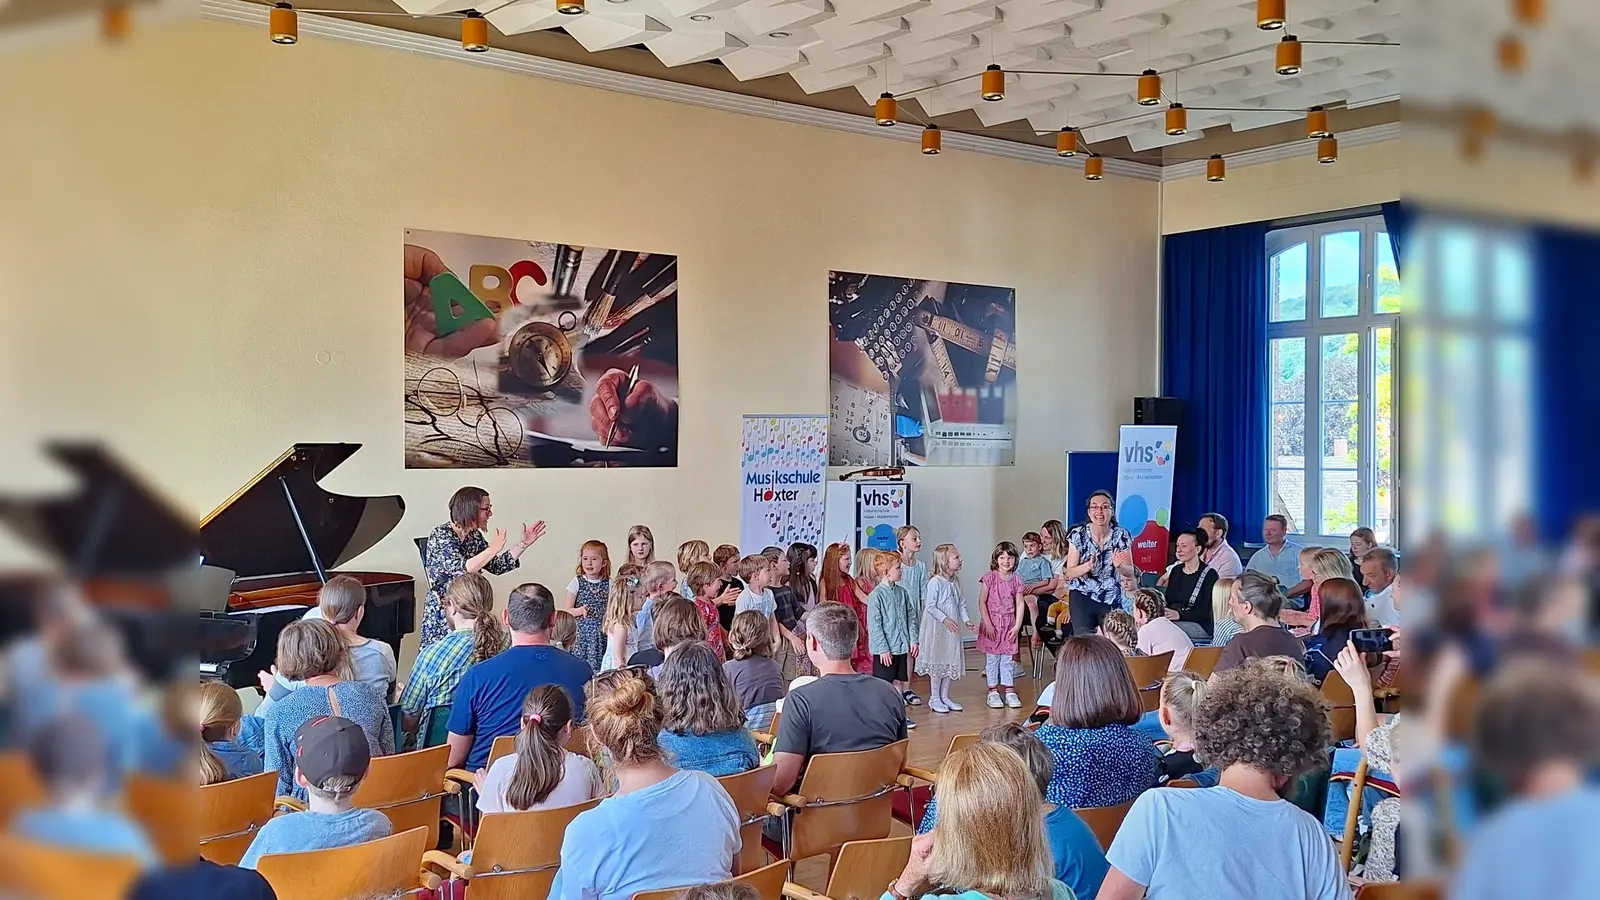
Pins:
x: 864, y: 867
x: 1202, y: 661
x: 516, y: 853
x: 956, y: 743
x: 165, y: 809
x: 422, y: 550
x: 1104, y: 821
x: 231, y: 812
x: 849, y: 797
x: 1401, y: 890
x: 435, y: 728
x: 504, y: 745
x: 408, y: 788
x: 767, y: 880
x: 582, y: 742
x: 1352, y: 819
x: 1342, y: 717
x: 1147, y: 672
x: 1183, y: 783
x: 49, y: 872
x: 378, y: 868
x: 750, y: 792
x: 23, y: 790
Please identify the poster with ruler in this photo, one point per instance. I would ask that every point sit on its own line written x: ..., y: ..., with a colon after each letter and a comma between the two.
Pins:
x: 922, y: 373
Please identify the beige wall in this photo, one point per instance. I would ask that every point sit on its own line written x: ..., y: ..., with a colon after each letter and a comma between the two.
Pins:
x: 1365, y: 175
x: 190, y: 219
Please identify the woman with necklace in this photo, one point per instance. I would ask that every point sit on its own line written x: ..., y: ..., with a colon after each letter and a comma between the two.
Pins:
x: 459, y: 546
x: 1095, y: 549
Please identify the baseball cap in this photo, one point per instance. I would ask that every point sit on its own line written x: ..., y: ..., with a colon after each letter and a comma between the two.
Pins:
x: 330, y: 747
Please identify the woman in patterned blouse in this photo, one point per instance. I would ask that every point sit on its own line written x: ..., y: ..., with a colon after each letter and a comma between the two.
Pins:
x: 459, y: 546
x: 1100, y: 760
x: 1094, y: 551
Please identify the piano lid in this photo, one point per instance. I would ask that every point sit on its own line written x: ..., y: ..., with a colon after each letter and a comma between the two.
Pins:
x: 111, y: 523
x: 254, y: 531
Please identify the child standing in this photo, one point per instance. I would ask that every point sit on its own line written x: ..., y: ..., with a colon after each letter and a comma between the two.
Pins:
x: 889, y: 623
x: 621, y: 628
x: 1000, y: 605
x: 689, y: 553
x: 705, y: 581
x: 943, y: 615
x: 913, y: 575
x: 586, y: 602
x: 756, y: 572
x: 331, y: 758
x: 839, y: 586
x: 658, y: 580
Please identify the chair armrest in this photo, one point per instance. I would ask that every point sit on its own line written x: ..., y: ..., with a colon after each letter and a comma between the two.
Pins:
x: 460, y: 777
x: 777, y: 810
x: 905, y: 781
x: 289, y: 803
x: 796, y: 892
x: 794, y: 801
x: 447, y: 863
x: 427, y: 880
x: 920, y: 773
x: 765, y: 739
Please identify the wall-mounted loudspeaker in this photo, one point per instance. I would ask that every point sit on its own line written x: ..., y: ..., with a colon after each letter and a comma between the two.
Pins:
x: 1157, y: 411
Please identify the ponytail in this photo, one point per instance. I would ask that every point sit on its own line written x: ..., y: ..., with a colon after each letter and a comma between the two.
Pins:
x: 541, y: 760
x: 472, y: 597
x: 212, y: 771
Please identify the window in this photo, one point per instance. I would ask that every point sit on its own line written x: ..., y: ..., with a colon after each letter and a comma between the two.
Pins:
x: 1333, y: 318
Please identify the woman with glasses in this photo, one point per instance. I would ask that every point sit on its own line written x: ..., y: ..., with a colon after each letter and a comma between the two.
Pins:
x: 1095, y: 548
x: 459, y: 546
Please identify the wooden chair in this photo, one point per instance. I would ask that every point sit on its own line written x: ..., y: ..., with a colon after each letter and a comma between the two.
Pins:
x: 231, y: 813
x: 843, y: 797
x: 165, y: 810
x: 1352, y: 818
x: 408, y: 788
x: 47, y: 872
x: 766, y: 739
x: 23, y: 790
x: 1342, y: 717
x: 1183, y: 783
x: 380, y: 868
x: 752, y: 793
x: 516, y: 854
x: 916, y: 799
x: 863, y: 869
x: 1147, y: 672
x: 767, y: 880
x: 1104, y: 821
x: 504, y: 745
x: 1401, y: 890
x: 1202, y: 661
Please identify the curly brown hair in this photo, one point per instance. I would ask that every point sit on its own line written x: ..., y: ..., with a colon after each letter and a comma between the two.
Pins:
x: 696, y: 696
x: 1258, y: 716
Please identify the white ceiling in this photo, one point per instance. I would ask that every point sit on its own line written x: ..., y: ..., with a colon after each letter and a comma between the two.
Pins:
x: 1221, y: 58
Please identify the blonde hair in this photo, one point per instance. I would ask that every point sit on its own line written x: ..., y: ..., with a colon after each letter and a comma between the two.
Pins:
x: 605, y: 557
x: 750, y: 565
x: 623, y: 606
x: 563, y: 628
x: 308, y: 648
x: 1118, y: 626
x: 1181, y: 694
x: 1220, y: 592
x: 749, y: 635
x: 901, y: 533
x: 658, y: 575
x: 625, y: 716
x: 471, y: 596
x: 883, y: 562
x: 644, y: 532
x: 866, y: 559
x: 980, y: 842
x: 691, y: 552
x: 941, y: 560
x: 1328, y: 563
x: 220, y: 712
x: 341, y: 599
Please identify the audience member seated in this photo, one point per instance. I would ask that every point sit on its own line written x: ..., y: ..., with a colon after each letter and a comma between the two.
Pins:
x: 1223, y: 627
x: 1080, y: 864
x: 1218, y: 553
x: 677, y: 624
x: 1181, y: 694
x: 1362, y: 541
x: 702, y: 724
x: 71, y: 759
x: 331, y: 757
x: 1128, y: 581
x: 841, y: 711
x: 342, y: 603
x: 543, y: 773
x: 1158, y: 633
x: 755, y: 676
x: 1380, y: 802
x: 563, y: 631
x: 1254, y: 604
x: 1279, y: 559
x: 1261, y: 729
x: 86, y: 673
x: 488, y: 701
x: 222, y: 756
x: 1188, y: 582
x: 311, y: 652
x: 1100, y: 760
x: 202, y: 878
x: 1322, y: 563
x: 664, y: 827
x: 721, y: 890
x: 981, y: 849
x: 1538, y: 733
x: 1342, y: 613
x: 475, y: 635
x: 1379, y: 571
x: 1118, y: 627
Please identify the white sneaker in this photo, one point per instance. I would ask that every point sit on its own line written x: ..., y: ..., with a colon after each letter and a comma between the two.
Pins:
x: 936, y: 706
x: 1012, y: 700
x: 952, y: 705
x: 994, y: 700
x: 910, y: 724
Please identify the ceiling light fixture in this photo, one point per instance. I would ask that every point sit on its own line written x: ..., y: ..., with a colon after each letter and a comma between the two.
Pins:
x: 1317, y: 123
x: 1149, y: 88
x: 1216, y: 168
x: 1066, y: 142
x: 116, y: 21
x: 1270, y: 14
x: 932, y: 141
x: 1528, y: 12
x: 569, y: 7
x: 474, y: 32
x: 1328, y: 150
x: 993, y: 85
x: 1177, y: 120
x: 887, y: 110
x: 1583, y: 165
x: 1511, y: 54
x: 780, y: 35
x: 1094, y: 167
x: 1290, y: 54
x: 283, y: 23
x: 697, y: 17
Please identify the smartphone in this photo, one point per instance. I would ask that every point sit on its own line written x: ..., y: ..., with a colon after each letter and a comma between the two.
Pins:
x: 1372, y: 640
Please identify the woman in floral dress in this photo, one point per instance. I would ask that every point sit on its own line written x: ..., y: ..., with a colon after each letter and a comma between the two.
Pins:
x: 459, y: 546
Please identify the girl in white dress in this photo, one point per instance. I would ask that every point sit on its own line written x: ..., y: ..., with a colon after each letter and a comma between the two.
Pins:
x: 944, y: 614
x: 622, y: 608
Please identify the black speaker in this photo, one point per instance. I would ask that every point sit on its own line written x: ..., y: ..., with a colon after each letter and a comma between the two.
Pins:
x: 1157, y: 411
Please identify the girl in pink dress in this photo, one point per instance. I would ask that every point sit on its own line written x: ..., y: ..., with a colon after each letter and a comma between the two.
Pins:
x: 1000, y: 603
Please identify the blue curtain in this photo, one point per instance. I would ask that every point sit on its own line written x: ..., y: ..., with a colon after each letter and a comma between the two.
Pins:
x: 1397, y: 221
x: 1566, y: 378
x: 1214, y: 359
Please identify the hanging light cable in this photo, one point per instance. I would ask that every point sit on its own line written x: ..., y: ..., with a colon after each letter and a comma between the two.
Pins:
x: 1270, y: 14
x: 283, y: 23
x: 1290, y: 53
x: 474, y: 32
x: 1149, y: 88
x: 1066, y: 142
x: 932, y: 140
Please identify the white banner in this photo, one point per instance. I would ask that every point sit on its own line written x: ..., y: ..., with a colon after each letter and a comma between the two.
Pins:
x: 782, y: 468
x: 1144, y: 491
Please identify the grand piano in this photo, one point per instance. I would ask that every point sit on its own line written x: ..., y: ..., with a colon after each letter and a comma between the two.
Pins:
x: 283, y: 536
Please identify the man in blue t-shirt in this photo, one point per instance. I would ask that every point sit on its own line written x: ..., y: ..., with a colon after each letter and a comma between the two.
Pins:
x: 488, y: 700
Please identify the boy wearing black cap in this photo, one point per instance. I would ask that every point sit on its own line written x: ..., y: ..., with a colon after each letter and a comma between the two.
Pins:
x: 331, y: 758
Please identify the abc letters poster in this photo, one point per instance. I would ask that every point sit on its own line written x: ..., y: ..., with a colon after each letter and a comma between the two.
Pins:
x: 782, y: 466
x: 1144, y: 491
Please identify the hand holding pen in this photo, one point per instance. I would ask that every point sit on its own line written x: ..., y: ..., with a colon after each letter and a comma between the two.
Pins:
x: 628, y: 411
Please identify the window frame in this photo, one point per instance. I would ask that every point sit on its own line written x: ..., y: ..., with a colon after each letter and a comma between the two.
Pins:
x: 1312, y: 329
